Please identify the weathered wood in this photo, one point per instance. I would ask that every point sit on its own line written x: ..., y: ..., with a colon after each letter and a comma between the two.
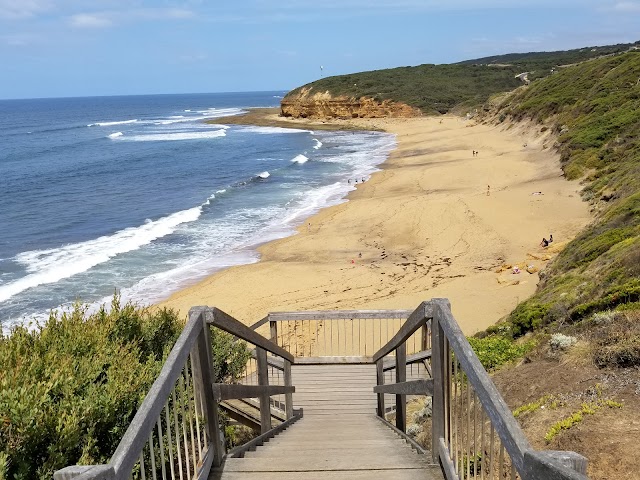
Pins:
x: 380, y: 382
x: 415, y: 445
x: 222, y: 391
x: 85, y: 472
x: 331, y: 360
x: 203, y: 366
x: 204, y: 468
x: 337, y: 315
x: 448, y: 468
x: 415, y: 321
x: 274, y: 362
x: 499, y: 413
x: 137, y: 435
x: 238, y: 452
x: 390, y: 363
x: 259, y: 323
x: 288, y: 397
x: 273, y: 330
x: 438, y: 365
x: 230, y: 325
x: 263, y: 381
x: 544, y: 466
x: 573, y: 460
x: 414, y: 387
x: 401, y: 377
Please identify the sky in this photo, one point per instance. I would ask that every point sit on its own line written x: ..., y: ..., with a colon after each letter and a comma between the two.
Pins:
x: 72, y: 48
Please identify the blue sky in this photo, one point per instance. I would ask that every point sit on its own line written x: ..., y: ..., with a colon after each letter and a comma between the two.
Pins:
x: 54, y: 48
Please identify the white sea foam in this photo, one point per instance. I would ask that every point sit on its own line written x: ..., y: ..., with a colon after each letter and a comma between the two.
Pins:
x: 317, y: 145
x: 109, y: 124
x: 271, y: 130
x: 208, y: 202
x: 167, y: 137
x: 187, y: 110
x: 52, y: 265
x: 221, y: 191
x: 300, y: 159
x: 264, y: 174
x: 221, y: 112
x: 115, y: 135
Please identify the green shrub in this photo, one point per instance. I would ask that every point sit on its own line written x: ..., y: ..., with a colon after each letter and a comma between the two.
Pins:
x: 496, y: 350
x: 69, y: 388
x: 527, y: 316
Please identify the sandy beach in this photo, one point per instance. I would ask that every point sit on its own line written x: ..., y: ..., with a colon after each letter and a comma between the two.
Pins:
x: 425, y: 226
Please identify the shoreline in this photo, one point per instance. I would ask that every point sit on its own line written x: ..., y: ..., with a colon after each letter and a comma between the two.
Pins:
x: 421, y: 227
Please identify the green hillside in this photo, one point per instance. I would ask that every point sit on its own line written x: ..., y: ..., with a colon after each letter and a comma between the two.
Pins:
x: 594, y: 107
x: 441, y: 88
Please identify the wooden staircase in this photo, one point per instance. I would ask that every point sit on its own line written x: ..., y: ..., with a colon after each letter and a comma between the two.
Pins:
x: 347, y: 369
x: 339, y: 436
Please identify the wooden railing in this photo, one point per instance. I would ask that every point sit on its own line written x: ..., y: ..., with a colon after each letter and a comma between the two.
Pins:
x: 474, y: 433
x: 337, y: 334
x: 175, y: 433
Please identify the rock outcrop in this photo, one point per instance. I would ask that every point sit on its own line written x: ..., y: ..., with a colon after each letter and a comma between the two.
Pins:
x: 307, y: 104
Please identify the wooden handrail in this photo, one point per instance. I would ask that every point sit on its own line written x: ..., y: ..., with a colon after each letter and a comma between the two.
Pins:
x: 223, y: 391
x: 415, y: 321
x: 274, y: 362
x: 143, y: 423
x: 497, y: 410
x: 333, y: 315
x: 390, y: 363
x: 226, y: 322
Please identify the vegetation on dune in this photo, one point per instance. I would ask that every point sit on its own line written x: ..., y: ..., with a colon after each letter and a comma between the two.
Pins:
x: 70, y: 388
x: 594, y: 107
x: 441, y: 88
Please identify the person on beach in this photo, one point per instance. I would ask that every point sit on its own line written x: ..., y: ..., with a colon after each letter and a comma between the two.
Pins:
x: 308, y: 227
x: 544, y: 243
x: 550, y: 238
x: 488, y: 190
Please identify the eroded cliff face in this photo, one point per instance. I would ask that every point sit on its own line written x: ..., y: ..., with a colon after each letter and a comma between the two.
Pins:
x: 320, y: 105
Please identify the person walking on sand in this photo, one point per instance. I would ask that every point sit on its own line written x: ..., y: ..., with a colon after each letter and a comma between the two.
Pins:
x: 488, y: 190
x: 550, y: 238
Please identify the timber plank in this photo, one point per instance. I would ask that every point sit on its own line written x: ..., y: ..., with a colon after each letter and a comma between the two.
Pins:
x: 339, y: 436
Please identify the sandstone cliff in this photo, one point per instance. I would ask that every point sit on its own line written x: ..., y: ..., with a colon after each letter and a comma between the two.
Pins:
x: 306, y: 104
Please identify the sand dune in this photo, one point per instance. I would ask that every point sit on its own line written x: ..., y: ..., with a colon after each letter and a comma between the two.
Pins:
x: 423, y: 227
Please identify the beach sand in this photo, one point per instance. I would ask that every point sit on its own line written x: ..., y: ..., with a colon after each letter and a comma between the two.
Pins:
x: 422, y: 227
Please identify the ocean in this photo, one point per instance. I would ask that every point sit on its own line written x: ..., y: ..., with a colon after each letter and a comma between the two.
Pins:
x: 137, y: 194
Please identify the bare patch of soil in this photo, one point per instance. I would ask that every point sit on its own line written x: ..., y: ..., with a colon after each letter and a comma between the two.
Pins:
x: 609, y: 438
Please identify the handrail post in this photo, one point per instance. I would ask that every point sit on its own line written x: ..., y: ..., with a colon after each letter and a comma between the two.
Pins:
x: 204, y: 382
x: 438, y: 363
x: 288, y: 397
x: 380, y: 381
x: 263, y: 380
x: 273, y: 329
x: 401, y: 376
x: 424, y: 339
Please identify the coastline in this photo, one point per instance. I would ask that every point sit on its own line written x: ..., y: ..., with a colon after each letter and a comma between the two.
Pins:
x: 421, y: 227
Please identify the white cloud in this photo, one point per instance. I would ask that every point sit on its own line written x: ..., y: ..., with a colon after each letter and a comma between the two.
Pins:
x: 110, y: 18
x: 627, y: 7
x: 90, y: 20
x: 15, y: 9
